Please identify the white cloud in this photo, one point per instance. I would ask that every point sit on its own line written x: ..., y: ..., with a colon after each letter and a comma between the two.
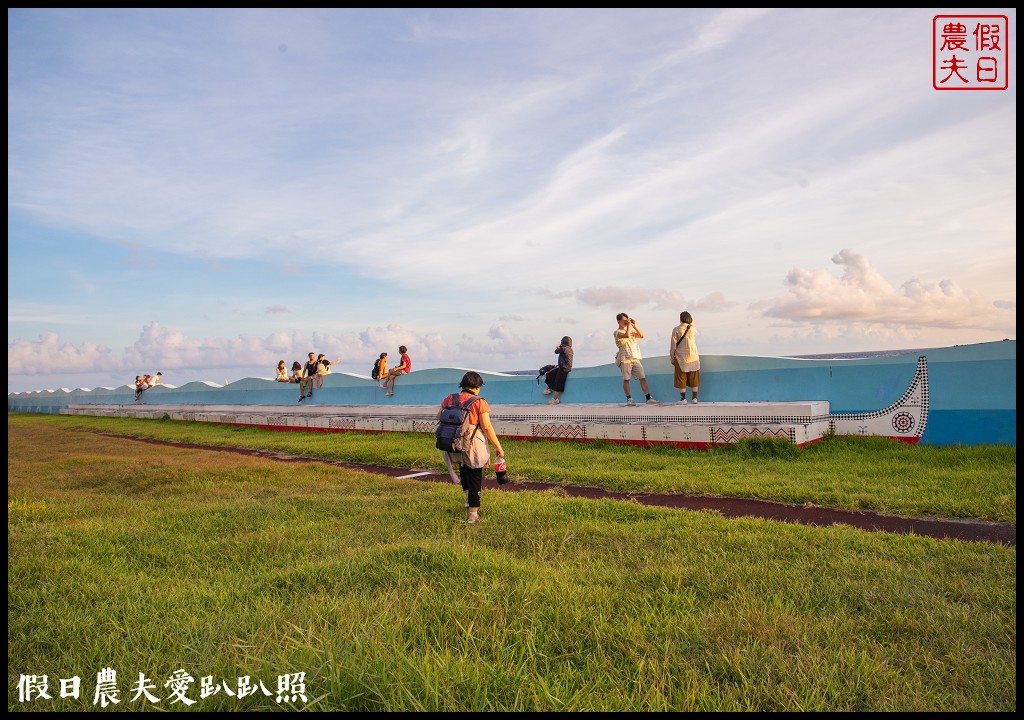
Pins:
x: 163, y: 348
x: 862, y: 295
x: 50, y: 356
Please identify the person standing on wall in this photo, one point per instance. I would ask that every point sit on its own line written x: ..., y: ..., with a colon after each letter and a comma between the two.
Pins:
x: 682, y: 349
x: 628, y: 357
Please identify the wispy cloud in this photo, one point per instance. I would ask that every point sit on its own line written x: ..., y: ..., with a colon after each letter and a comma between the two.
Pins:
x: 561, y: 163
x: 623, y: 297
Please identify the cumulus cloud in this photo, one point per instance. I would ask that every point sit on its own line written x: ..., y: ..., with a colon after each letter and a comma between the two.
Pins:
x: 166, y: 347
x: 49, y: 355
x: 160, y: 347
x: 501, y: 345
x: 862, y: 295
x: 423, y: 347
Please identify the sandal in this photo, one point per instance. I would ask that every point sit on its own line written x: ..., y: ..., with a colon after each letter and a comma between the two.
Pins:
x: 554, y: 401
x: 472, y: 519
x: 547, y: 391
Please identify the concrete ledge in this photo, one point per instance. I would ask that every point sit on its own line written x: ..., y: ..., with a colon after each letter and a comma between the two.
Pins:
x: 699, y: 426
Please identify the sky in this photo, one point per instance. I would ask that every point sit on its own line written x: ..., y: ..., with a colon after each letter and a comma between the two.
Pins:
x: 205, y: 192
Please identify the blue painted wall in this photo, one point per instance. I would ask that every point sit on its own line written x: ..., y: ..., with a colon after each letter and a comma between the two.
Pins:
x: 972, y: 388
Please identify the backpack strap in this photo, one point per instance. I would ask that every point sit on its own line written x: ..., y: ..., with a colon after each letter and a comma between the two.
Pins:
x: 684, y: 335
x: 469, y: 402
x: 465, y: 406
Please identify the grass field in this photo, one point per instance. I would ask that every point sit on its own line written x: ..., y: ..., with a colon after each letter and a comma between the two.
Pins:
x: 376, y: 595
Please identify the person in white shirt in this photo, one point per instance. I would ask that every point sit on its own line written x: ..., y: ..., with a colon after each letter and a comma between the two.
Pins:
x: 628, y: 357
x: 682, y: 349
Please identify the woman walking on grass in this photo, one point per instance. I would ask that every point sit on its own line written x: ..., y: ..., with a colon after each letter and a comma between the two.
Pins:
x: 473, y: 461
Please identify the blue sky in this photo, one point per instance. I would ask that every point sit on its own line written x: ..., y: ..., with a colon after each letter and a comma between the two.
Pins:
x: 206, y: 192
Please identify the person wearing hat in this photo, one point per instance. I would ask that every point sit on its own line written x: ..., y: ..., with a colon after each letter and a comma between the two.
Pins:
x: 471, y: 464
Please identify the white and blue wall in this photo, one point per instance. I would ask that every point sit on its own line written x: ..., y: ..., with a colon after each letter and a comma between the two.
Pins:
x: 970, y: 397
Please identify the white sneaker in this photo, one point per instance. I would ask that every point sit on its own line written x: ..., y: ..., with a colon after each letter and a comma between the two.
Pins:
x: 652, y: 401
x: 694, y: 401
x: 630, y: 402
x: 683, y: 401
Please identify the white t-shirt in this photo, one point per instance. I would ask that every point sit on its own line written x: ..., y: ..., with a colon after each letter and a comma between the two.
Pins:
x: 629, y: 347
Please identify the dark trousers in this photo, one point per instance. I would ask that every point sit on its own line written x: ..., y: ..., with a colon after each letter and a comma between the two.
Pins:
x: 472, y: 480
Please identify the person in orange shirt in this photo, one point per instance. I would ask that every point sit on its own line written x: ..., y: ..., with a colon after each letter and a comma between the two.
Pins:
x: 404, y: 367
x: 472, y: 463
x: 380, y: 368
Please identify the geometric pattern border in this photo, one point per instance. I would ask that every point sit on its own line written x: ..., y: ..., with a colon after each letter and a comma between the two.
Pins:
x: 560, y: 431
x: 732, y: 435
x: 907, y: 417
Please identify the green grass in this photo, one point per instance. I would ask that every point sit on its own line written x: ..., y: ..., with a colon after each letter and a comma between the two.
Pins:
x: 151, y: 559
x: 854, y: 473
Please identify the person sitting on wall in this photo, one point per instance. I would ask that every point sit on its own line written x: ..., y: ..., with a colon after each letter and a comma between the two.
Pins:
x: 282, y: 373
x: 309, y: 375
x: 380, y: 367
x: 404, y: 367
x: 323, y: 368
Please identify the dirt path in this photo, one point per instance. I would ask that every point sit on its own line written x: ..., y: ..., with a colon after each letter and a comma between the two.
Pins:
x: 808, y: 514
